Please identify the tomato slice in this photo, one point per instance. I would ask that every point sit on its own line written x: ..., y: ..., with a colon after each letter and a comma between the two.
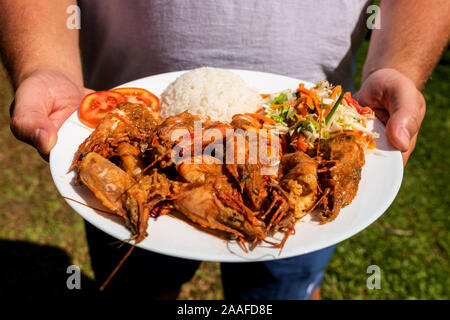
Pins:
x: 96, y: 105
x: 139, y: 95
x: 365, y: 111
x: 351, y: 101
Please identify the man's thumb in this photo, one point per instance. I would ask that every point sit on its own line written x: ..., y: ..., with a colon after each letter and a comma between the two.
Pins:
x: 405, y: 120
x: 44, y: 140
x: 398, y: 134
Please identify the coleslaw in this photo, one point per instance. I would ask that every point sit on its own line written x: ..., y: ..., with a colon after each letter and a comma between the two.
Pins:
x: 320, y: 112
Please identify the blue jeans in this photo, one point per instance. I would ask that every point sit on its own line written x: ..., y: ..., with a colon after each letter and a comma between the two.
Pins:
x: 153, y: 275
x: 293, y: 278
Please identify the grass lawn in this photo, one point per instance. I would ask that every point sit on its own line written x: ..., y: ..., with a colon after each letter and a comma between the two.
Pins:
x: 40, y: 235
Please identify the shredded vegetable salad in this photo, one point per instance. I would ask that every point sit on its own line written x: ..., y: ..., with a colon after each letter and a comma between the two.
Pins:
x: 324, y: 110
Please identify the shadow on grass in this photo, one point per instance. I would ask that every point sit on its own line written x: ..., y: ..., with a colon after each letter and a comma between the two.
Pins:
x: 33, y: 270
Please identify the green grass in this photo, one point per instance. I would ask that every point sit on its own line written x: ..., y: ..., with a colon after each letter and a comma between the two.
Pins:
x: 40, y: 235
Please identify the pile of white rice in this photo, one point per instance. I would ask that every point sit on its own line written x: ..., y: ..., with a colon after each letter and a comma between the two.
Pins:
x: 214, y: 92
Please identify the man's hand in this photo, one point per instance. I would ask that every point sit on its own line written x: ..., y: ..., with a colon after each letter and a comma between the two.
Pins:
x: 402, y: 53
x: 43, y: 101
x: 397, y: 102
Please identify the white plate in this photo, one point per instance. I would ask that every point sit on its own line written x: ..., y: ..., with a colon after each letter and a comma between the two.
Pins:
x: 380, y: 182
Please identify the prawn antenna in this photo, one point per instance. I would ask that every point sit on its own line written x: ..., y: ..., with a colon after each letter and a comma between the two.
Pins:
x: 102, y: 287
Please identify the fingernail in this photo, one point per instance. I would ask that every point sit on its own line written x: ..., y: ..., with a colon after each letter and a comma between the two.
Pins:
x: 404, y: 138
x: 40, y: 139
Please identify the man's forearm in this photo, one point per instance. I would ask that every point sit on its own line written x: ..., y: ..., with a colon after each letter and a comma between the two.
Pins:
x: 35, y: 36
x: 412, y: 37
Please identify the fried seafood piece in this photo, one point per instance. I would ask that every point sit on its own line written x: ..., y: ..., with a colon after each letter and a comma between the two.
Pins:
x: 128, y: 122
x: 203, y: 205
x: 261, y: 192
x: 243, y: 121
x: 200, y: 169
x: 183, y: 125
x: 131, y: 159
x: 251, y: 182
x: 210, y: 200
x: 128, y: 198
x: 106, y: 180
x: 299, y: 180
x: 345, y: 157
x: 146, y: 195
x: 256, y: 172
x: 245, y: 166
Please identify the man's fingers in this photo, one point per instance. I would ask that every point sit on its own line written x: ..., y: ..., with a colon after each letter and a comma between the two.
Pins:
x: 42, y: 103
x: 36, y: 129
x: 30, y: 117
x: 396, y: 102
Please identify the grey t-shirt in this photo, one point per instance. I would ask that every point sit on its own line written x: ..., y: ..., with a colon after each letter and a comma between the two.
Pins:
x: 123, y: 40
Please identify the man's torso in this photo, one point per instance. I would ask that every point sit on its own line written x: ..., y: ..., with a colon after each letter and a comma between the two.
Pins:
x: 310, y: 40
